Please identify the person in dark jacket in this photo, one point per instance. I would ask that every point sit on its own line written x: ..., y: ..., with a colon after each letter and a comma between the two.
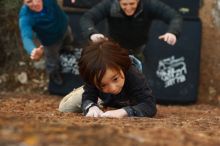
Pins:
x: 129, y: 22
x: 110, y: 76
x: 45, y: 21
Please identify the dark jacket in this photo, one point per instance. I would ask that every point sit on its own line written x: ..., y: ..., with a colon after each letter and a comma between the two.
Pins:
x: 136, y: 97
x: 130, y: 31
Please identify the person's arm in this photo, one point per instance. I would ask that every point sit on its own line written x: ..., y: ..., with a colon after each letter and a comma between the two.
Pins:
x: 37, y: 53
x: 169, y: 38
x: 141, y: 94
x: 89, y: 101
x: 161, y: 11
x: 27, y: 39
x: 146, y: 106
x: 92, y: 17
x: 26, y: 34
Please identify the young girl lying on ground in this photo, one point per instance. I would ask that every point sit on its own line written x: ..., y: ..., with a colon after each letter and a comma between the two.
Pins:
x: 110, y: 81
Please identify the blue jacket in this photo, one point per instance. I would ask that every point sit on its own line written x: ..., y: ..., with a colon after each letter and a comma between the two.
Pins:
x: 49, y: 25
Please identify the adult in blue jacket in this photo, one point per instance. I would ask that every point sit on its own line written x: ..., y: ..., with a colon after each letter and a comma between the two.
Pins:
x: 129, y: 22
x: 44, y: 20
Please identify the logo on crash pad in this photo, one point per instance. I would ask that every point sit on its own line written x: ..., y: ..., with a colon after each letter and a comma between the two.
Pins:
x: 172, y: 71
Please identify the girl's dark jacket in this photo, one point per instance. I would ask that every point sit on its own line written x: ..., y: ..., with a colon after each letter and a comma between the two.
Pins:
x: 130, y: 31
x: 135, y: 98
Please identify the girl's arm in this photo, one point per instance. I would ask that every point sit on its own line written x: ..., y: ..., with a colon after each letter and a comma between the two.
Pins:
x: 89, y: 98
x: 140, y: 94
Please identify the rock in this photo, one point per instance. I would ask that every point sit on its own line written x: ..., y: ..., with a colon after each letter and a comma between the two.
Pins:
x: 3, y: 78
x: 39, y: 64
x: 22, y: 63
x: 22, y: 78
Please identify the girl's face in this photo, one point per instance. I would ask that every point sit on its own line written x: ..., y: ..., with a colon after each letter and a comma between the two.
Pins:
x: 112, y: 81
x: 129, y: 6
x: 34, y: 5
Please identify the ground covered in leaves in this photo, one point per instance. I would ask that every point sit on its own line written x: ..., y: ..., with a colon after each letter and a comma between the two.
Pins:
x: 33, y: 120
x: 29, y: 115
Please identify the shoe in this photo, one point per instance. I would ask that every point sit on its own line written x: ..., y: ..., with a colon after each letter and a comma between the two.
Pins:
x: 56, y: 78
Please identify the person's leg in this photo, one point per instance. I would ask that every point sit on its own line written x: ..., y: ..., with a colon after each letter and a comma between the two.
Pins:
x: 72, y: 101
x: 70, y: 54
x: 52, y: 57
x: 53, y: 62
x: 68, y: 40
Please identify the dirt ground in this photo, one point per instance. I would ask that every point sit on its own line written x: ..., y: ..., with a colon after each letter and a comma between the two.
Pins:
x: 29, y: 115
x: 33, y: 120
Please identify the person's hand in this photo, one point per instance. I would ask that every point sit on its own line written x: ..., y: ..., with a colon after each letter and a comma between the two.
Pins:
x: 37, y: 53
x: 97, y: 37
x: 73, y: 1
x: 94, y: 111
x: 169, y: 38
x: 120, y: 113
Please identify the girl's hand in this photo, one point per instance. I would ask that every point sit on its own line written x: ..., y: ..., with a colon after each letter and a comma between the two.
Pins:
x: 120, y: 113
x: 94, y: 111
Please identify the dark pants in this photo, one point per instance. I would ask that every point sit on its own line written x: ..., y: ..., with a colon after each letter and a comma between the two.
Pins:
x: 52, y: 52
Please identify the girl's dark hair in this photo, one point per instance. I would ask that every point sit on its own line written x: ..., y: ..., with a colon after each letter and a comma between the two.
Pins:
x: 97, y: 57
